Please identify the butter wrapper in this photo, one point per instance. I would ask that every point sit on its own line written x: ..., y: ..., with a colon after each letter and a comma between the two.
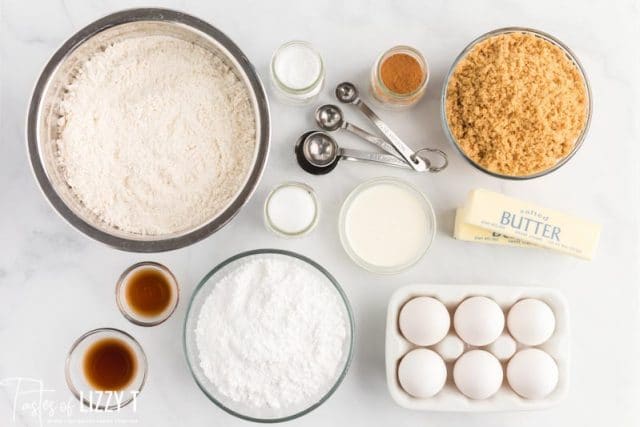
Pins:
x: 531, y: 223
x: 471, y: 233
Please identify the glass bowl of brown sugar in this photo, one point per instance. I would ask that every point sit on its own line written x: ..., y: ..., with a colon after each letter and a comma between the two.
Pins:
x: 516, y: 103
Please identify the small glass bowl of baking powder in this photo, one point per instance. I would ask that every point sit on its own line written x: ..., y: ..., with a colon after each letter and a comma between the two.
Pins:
x: 297, y: 72
x: 291, y: 210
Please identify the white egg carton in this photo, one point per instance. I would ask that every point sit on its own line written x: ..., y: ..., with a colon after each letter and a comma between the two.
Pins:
x: 450, y: 398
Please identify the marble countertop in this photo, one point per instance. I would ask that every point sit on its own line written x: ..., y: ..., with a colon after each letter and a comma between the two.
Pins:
x: 55, y: 284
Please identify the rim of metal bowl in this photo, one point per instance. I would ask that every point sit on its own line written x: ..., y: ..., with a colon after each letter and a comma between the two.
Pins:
x: 338, y: 288
x: 159, y: 244
x: 569, y: 53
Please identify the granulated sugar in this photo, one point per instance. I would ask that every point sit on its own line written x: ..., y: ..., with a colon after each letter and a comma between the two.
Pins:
x: 271, y: 333
x: 156, y: 135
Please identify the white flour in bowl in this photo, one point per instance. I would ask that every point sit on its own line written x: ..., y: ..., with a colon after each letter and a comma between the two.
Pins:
x: 272, y: 333
x: 156, y: 135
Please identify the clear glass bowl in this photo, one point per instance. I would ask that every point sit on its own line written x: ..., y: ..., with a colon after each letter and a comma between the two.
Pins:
x: 547, y: 37
x: 274, y: 227
x: 296, y: 96
x: 426, y: 206
x: 131, y: 314
x: 264, y: 415
x: 388, y: 98
x: 77, y: 382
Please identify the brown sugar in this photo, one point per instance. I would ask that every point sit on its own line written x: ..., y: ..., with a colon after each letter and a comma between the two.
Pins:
x: 401, y: 73
x: 516, y: 104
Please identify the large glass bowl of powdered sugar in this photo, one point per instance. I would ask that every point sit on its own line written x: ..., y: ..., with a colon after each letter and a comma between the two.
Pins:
x: 268, y: 335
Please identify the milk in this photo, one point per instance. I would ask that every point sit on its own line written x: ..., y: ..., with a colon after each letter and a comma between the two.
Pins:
x: 387, y: 225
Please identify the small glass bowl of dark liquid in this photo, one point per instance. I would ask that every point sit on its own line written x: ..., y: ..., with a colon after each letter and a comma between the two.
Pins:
x: 147, y: 293
x: 106, y: 369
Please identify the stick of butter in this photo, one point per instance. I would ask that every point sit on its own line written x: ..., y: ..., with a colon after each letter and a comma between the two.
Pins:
x: 471, y: 233
x: 530, y: 223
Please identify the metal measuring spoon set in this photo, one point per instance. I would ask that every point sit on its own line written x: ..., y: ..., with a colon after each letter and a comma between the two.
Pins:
x: 318, y: 153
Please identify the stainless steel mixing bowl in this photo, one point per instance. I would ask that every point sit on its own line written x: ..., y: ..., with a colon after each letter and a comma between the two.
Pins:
x: 41, y: 120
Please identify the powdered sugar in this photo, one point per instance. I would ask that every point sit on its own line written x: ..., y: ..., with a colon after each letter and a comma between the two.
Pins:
x: 156, y: 135
x: 271, y: 333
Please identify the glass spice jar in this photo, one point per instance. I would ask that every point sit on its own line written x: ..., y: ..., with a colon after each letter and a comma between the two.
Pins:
x: 297, y: 72
x: 399, y: 77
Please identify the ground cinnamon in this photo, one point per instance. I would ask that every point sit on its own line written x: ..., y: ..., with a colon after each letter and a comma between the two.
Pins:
x: 401, y: 73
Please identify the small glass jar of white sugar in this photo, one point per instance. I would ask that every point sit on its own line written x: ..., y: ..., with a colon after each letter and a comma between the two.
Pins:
x: 291, y: 209
x: 297, y: 72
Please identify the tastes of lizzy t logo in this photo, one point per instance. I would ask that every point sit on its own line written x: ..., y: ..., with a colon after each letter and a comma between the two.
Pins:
x: 29, y: 398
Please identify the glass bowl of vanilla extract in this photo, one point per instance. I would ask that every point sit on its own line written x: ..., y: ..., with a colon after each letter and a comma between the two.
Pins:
x: 106, y: 369
x: 147, y: 293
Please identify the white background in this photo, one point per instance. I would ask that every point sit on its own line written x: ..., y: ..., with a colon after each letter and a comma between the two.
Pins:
x: 56, y: 284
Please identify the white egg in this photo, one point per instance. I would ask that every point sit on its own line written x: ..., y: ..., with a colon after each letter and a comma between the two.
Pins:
x: 422, y: 373
x: 531, y: 321
x: 478, y: 320
x: 503, y: 347
x: 532, y: 373
x: 424, y: 321
x: 477, y: 374
x: 450, y: 348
